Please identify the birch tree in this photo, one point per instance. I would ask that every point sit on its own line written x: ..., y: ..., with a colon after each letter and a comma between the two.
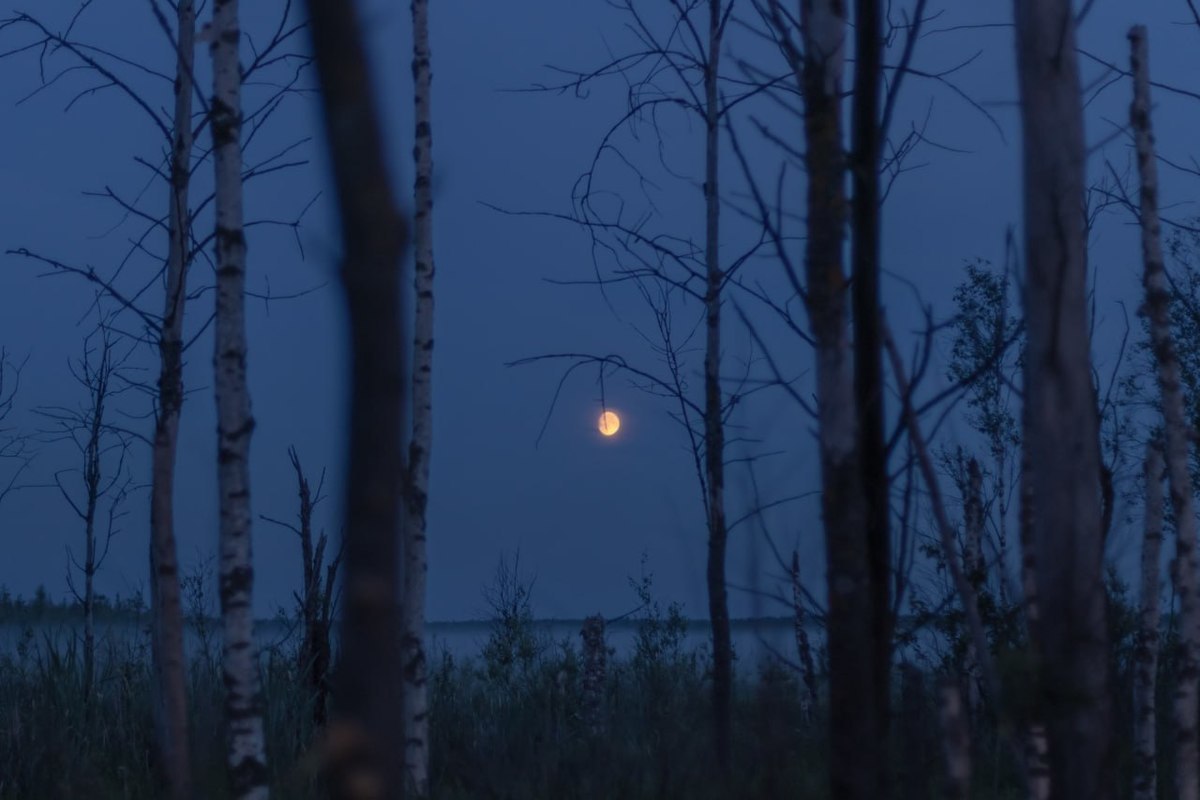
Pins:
x: 1061, y: 437
x: 170, y: 668
x: 1175, y: 426
x: 1145, y: 720
x: 416, y: 696
x: 365, y: 742
x: 122, y: 286
x: 246, y: 751
x: 856, y: 736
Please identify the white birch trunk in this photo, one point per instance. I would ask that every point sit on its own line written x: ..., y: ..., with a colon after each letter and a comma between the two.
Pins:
x: 1145, y: 720
x: 170, y: 670
x: 416, y: 695
x: 246, y: 754
x: 1061, y: 439
x: 1175, y: 433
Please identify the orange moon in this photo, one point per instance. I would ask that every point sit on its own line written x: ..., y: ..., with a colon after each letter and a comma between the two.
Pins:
x: 609, y: 423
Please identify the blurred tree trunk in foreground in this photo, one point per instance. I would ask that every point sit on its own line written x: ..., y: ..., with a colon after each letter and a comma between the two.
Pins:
x: 1061, y: 438
x: 365, y: 742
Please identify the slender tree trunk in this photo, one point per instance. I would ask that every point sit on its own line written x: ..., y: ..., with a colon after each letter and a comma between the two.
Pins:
x: 170, y: 670
x: 416, y: 696
x: 1175, y: 429
x: 89, y: 612
x: 714, y: 426
x: 1145, y: 720
x: 855, y: 728
x: 91, y: 477
x: 1061, y: 438
x: 246, y: 753
x: 973, y: 566
x: 868, y: 357
x: 1036, y: 746
x: 366, y: 739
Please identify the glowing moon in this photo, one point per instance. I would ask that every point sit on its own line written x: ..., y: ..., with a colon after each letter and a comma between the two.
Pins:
x: 609, y: 423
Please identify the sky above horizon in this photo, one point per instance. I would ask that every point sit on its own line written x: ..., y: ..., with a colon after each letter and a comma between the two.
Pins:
x: 509, y: 475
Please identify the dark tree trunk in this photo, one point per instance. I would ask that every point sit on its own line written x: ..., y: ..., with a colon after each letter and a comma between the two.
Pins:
x: 868, y: 361
x: 366, y: 741
x: 1061, y: 438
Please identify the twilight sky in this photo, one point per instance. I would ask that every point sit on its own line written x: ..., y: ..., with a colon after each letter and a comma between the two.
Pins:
x: 580, y: 508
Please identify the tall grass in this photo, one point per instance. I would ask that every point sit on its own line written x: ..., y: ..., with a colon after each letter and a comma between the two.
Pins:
x: 511, y: 723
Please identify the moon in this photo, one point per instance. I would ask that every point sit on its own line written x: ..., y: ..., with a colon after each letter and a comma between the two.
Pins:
x: 609, y: 423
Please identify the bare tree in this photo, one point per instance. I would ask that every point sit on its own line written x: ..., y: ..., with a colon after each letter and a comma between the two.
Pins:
x: 14, y: 444
x: 90, y: 430
x: 665, y: 268
x: 164, y: 331
x: 246, y: 753
x: 1061, y: 438
x: 416, y: 494
x: 858, y: 737
x: 867, y: 138
x: 1145, y: 719
x: 366, y: 738
x: 315, y: 600
x: 1175, y: 426
x: 165, y: 596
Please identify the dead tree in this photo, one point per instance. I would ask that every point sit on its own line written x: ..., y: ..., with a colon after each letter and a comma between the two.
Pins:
x: 366, y: 738
x: 246, y: 749
x: 315, y: 599
x: 104, y: 480
x: 1176, y: 431
x: 416, y: 490
x: 1061, y: 437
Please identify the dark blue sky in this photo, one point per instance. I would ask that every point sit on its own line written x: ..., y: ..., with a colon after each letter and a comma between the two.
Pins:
x: 581, y: 509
